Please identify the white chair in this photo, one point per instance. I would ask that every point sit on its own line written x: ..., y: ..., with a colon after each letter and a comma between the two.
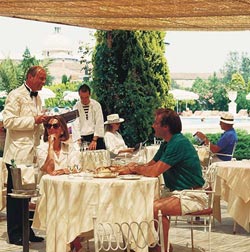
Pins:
x: 214, y: 155
x: 206, y: 213
x: 126, y: 236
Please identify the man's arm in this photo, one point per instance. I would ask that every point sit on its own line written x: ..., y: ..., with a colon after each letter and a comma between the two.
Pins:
x: 151, y: 169
x: 213, y: 147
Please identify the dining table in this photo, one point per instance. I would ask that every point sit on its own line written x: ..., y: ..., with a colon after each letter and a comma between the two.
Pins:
x: 232, y: 185
x: 68, y: 202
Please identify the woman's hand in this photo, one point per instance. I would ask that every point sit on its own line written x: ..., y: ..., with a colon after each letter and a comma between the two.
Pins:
x: 51, y: 139
x: 59, y: 172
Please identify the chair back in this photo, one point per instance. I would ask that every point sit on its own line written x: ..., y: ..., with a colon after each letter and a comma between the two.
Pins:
x: 127, y: 236
x: 215, y: 155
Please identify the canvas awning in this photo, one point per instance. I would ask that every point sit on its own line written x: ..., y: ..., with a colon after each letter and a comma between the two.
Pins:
x: 224, y: 15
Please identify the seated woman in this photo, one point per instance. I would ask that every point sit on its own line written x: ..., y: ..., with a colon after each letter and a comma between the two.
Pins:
x: 113, y: 139
x: 55, y: 155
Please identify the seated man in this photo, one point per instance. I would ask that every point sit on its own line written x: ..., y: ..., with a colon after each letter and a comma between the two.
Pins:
x: 227, y: 141
x: 178, y: 161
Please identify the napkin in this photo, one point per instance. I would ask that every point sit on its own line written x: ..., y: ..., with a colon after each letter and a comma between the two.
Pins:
x: 27, y: 174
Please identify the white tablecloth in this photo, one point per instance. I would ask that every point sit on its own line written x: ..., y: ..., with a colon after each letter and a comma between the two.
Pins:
x: 67, y: 205
x: 233, y: 185
x: 3, y: 179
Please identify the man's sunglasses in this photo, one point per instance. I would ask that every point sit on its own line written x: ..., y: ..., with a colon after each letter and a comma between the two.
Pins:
x: 54, y: 125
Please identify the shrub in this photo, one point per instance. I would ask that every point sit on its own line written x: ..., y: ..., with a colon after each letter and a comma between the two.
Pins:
x: 242, y: 150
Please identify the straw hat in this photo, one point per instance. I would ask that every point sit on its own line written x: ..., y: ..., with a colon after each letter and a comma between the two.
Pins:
x: 227, y: 118
x: 114, y: 118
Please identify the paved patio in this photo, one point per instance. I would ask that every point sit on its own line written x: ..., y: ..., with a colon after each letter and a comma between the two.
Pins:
x: 223, y: 239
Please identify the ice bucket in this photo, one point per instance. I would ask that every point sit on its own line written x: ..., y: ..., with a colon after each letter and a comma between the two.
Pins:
x: 18, y: 180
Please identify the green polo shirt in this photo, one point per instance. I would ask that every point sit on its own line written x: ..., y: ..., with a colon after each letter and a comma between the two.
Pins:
x: 185, y: 171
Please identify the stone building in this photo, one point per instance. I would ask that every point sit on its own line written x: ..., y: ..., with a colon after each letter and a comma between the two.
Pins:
x: 65, y: 61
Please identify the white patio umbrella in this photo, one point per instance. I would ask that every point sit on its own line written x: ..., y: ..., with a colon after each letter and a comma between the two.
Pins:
x: 183, y: 95
x: 46, y: 93
x: 70, y: 96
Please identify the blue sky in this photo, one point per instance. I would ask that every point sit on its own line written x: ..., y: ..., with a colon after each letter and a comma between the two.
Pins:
x: 187, y: 51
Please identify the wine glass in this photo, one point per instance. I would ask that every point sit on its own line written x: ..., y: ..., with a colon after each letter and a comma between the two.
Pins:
x: 77, y: 168
x: 85, y: 145
x: 71, y: 170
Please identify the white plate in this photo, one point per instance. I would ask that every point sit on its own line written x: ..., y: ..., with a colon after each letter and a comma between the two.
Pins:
x: 130, y: 177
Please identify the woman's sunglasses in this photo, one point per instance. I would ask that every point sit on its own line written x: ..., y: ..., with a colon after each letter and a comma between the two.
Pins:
x: 54, y: 125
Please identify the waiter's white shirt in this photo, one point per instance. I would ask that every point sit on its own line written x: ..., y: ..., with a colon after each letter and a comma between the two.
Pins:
x: 94, y: 125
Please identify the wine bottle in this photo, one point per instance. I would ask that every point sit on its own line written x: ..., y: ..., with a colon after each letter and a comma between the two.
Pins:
x: 13, y: 164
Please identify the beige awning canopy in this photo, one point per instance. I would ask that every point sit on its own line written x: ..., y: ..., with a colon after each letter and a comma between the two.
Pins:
x: 195, y: 15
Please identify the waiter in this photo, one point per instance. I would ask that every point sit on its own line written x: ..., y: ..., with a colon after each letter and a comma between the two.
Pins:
x: 22, y: 119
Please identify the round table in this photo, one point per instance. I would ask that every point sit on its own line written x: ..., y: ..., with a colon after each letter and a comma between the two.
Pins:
x: 67, y: 205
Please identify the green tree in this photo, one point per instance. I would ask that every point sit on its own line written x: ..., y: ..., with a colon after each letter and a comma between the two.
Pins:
x: 237, y: 82
x: 213, y: 92
x: 131, y: 77
x: 65, y: 79
x: 10, y: 75
x: 245, y: 67
x: 27, y: 62
x: 59, y: 90
x: 218, y: 89
x: 13, y: 74
x: 231, y: 66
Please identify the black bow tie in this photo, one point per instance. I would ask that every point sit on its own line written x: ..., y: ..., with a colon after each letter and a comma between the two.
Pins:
x: 33, y: 94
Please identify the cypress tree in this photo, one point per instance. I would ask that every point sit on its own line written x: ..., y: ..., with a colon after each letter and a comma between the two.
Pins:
x: 131, y: 78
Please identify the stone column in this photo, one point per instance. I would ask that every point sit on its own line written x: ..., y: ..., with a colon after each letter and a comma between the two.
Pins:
x: 232, y: 106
